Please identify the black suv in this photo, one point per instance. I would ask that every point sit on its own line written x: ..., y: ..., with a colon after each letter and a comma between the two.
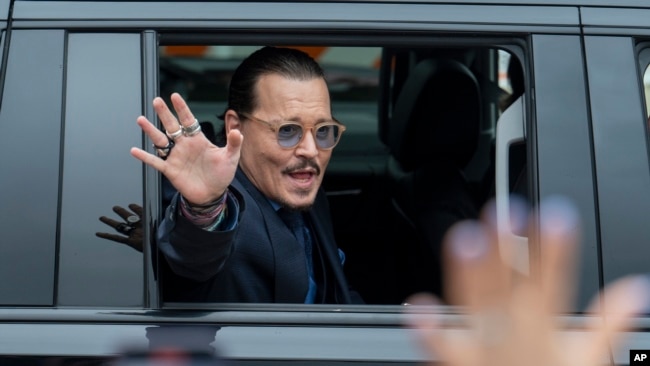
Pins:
x: 448, y: 105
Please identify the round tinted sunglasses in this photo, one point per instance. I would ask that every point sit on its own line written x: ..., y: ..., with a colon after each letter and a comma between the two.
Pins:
x: 289, y: 134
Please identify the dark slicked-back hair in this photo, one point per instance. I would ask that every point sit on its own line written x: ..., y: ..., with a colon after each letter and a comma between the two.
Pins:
x: 287, y: 62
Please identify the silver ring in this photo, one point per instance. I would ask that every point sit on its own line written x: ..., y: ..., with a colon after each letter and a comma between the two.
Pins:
x: 133, y: 219
x: 192, y: 129
x: 123, y: 228
x: 163, y: 151
x: 176, y: 134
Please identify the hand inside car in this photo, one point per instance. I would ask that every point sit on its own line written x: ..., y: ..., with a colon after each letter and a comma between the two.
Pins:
x: 511, y: 317
x: 130, y: 228
x: 198, y: 169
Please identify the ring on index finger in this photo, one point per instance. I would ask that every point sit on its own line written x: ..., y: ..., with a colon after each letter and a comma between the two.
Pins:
x: 163, y: 151
x: 125, y: 229
x: 192, y: 129
x: 176, y: 134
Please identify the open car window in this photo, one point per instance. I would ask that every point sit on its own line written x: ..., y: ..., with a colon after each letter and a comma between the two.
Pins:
x: 414, y: 159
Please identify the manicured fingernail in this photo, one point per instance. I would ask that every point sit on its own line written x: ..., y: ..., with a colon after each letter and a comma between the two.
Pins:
x: 468, y: 241
x: 558, y: 215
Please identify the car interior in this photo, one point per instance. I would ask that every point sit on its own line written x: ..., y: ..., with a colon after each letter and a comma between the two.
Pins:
x: 419, y: 154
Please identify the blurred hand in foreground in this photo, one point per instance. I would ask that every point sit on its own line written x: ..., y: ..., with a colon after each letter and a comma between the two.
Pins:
x: 511, y: 317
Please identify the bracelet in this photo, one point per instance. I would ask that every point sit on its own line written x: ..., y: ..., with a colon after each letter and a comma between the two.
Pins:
x: 207, y: 217
x: 206, y: 205
x: 219, y: 219
x: 204, y: 208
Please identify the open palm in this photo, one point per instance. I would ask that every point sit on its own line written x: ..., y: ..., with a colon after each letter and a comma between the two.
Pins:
x: 198, y: 169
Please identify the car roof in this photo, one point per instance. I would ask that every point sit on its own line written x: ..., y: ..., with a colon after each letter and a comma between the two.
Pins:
x: 603, y: 3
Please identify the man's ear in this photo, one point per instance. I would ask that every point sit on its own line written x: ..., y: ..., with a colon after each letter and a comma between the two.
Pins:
x: 231, y: 121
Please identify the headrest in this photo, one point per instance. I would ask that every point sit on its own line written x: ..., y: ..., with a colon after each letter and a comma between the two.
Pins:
x: 436, y: 116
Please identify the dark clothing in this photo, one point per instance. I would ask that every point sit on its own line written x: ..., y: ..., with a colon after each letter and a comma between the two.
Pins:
x: 260, y: 260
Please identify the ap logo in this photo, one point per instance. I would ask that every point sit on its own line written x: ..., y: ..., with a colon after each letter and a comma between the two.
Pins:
x: 639, y: 357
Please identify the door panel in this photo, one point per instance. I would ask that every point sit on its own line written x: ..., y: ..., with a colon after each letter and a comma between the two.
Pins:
x: 621, y: 154
x: 564, y: 161
x: 103, y: 99
x: 29, y: 157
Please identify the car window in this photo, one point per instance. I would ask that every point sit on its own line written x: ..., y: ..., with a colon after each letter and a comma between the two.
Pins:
x: 367, y: 180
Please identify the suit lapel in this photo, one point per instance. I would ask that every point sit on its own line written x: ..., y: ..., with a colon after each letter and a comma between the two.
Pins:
x: 324, y: 234
x: 291, y: 278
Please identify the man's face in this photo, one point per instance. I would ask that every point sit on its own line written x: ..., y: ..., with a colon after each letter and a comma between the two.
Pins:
x: 292, y: 176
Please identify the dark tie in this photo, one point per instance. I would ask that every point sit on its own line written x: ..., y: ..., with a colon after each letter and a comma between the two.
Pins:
x: 296, y: 224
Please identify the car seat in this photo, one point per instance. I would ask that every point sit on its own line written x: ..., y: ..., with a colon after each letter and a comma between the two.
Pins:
x: 433, y: 134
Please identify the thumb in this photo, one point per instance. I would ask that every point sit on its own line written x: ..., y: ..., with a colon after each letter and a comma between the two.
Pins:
x: 233, y: 144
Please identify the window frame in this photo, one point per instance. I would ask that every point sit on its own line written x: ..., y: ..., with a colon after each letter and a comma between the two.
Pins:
x: 516, y: 44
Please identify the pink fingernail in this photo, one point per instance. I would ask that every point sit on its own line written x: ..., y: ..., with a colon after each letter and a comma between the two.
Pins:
x: 469, y: 241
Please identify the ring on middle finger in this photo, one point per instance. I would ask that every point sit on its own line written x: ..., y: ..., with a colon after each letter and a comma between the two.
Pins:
x: 133, y: 220
x: 192, y: 129
x: 176, y: 134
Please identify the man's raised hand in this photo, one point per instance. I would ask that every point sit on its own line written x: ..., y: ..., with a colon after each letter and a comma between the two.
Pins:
x: 198, y: 169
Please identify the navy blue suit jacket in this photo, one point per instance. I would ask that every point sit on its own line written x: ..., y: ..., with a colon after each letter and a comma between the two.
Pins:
x: 258, y: 261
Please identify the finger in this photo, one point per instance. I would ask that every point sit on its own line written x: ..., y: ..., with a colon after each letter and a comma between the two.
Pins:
x: 109, y: 221
x: 185, y: 116
x: 234, y: 142
x: 559, y: 232
x: 420, y: 317
x: 122, y: 240
x: 618, y: 304
x: 136, y: 208
x: 475, y: 277
x: 167, y: 118
x: 149, y: 159
x: 156, y: 136
x: 502, y: 240
x: 122, y: 212
x: 113, y: 237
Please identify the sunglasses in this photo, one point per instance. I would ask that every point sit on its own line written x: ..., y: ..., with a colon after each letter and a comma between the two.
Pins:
x: 289, y: 134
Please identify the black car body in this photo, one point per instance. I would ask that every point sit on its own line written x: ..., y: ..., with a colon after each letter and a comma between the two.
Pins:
x: 75, y: 75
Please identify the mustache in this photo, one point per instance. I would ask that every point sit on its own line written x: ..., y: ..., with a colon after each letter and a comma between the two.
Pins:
x: 304, y: 163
